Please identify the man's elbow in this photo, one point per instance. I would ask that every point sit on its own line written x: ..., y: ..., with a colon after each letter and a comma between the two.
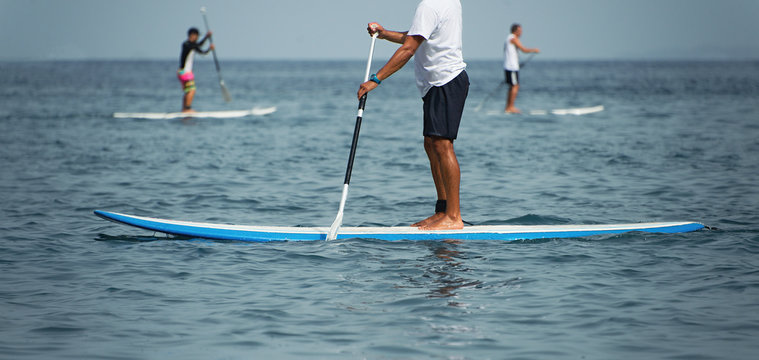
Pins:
x: 407, y: 51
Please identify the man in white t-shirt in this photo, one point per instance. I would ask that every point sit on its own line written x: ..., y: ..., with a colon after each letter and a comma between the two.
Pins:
x: 435, y: 41
x: 511, y: 65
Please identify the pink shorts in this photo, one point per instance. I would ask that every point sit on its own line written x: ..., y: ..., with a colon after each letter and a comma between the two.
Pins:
x: 185, y: 75
x: 187, y: 79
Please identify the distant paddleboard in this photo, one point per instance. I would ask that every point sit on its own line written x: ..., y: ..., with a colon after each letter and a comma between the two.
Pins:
x: 488, y: 232
x: 228, y: 114
x: 569, y: 111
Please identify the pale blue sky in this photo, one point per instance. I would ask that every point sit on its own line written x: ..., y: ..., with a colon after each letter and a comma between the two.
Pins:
x: 334, y: 29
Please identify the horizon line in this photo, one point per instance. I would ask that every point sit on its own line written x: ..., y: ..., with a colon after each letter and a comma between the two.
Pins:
x: 478, y: 59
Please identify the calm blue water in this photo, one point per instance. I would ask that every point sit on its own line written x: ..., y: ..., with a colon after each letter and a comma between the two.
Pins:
x: 677, y: 141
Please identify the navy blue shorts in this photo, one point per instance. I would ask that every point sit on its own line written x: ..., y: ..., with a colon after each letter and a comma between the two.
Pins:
x: 512, y: 77
x: 443, y: 107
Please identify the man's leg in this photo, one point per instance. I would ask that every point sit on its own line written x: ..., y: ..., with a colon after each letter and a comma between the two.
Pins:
x: 443, y: 107
x: 437, y: 178
x: 513, y: 91
x: 450, y: 175
x: 188, y: 85
x: 187, y: 101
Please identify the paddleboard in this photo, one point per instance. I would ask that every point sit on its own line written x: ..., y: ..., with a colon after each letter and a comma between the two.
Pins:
x: 228, y: 114
x: 480, y: 232
x: 568, y: 111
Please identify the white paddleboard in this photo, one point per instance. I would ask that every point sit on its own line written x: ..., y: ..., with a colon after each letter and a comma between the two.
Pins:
x: 568, y: 111
x: 227, y: 114
x: 482, y: 232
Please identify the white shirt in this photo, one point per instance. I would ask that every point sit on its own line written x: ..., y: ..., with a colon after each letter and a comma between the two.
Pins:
x: 439, y: 58
x: 511, y: 57
x: 190, y: 60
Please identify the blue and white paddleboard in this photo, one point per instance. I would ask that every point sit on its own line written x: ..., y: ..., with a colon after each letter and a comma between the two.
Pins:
x: 489, y: 232
x: 226, y: 114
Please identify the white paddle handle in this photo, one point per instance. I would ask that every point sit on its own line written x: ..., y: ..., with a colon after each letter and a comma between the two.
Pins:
x: 371, y: 54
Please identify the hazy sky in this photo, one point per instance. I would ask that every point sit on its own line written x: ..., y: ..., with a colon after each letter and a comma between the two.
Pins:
x: 334, y: 29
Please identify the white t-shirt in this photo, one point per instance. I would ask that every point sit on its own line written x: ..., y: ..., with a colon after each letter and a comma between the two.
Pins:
x: 511, y: 57
x: 439, y: 58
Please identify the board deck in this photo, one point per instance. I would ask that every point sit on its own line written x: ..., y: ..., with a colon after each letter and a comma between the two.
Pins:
x: 479, y: 232
x: 226, y: 114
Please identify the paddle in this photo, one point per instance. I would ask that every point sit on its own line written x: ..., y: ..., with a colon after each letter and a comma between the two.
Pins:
x: 224, y: 91
x: 523, y: 63
x: 332, y: 234
x: 500, y: 85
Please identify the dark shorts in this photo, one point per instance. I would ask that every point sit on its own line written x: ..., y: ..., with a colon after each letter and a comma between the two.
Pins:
x: 443, y: 106
x: 512, y: 77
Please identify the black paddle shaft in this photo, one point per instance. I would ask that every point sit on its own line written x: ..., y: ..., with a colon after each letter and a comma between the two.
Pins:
x: 215, y: 60
x: 354, y: 144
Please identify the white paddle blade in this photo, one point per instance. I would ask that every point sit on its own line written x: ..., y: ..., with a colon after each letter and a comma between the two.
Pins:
x: 332, y: 234
x: 225, y: 92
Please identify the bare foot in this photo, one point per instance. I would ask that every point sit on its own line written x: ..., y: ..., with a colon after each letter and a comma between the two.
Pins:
x: 512, y: 110
x: 188, y: 111
x: 444, y: 223
x: 429, y: 220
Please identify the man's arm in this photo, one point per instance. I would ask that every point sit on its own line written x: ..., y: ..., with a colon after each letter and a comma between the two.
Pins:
x: 208, y: 36
x: 206, y: 51
x: 519, y: 46
x: 211, y: 47
x: 396, y: 62
x: 389, y: 35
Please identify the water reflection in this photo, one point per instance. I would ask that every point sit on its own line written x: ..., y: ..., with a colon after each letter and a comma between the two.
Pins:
x: 445, y: 270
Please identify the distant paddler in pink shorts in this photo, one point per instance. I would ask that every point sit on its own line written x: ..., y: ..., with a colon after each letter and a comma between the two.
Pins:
x: 184, y: 73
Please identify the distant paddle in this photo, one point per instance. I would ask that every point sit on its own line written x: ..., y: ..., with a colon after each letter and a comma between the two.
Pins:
x: 523, y: 63
x: 224, y: 91
x: 501, y: 84
x: 332, y: 234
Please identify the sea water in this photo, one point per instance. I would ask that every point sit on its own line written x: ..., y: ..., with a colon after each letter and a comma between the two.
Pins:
x: 676, y: 141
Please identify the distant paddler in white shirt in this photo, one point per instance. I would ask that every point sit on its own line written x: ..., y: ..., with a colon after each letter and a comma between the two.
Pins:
x: 511, y: 65
x: 435, y: 41
x: 185, y: 75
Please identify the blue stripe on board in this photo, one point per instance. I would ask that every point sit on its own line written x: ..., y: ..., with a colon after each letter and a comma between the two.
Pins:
x: 264, y: 236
